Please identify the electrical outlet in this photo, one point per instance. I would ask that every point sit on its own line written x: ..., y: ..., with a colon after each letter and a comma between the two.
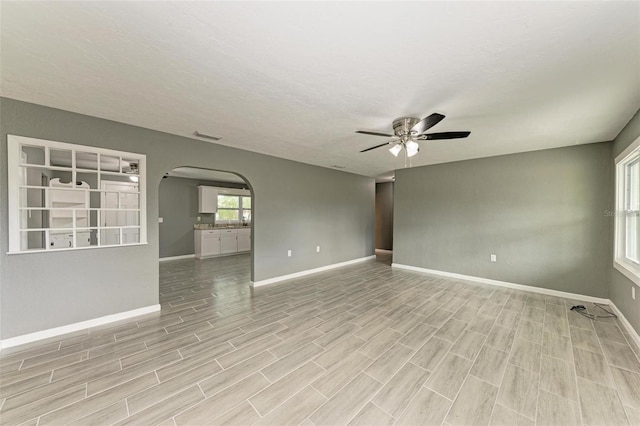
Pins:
x: 199, y: 218
x: 494, y: 258
x: 288, y: 253
x: 317, y: 249
x: 633, y: 292
x: 160, y: 219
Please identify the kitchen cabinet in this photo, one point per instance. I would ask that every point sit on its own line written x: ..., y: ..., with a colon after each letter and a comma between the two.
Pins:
x: 229, y: 241
x: 207, y: 199
x: 207, y: 243
x: 224, y: 241
x: 244, y: 240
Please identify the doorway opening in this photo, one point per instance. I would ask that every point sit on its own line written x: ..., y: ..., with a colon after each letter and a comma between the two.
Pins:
x: 205, y: 227
x: 384, y: 221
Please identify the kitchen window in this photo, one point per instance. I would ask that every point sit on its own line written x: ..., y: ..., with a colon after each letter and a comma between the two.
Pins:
x: 627, y: 229
x: 228, y: 207
x: 233, y: 207
x: 246, y: 209
x: 65, y: 196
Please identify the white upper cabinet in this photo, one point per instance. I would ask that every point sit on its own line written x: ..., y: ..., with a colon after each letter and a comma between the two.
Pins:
x: 207, y: 199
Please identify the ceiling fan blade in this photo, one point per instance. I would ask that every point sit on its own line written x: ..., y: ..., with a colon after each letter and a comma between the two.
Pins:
x: 427, y: 123
x: 364, y: 132
x: 377, y: 146
x: 444, y: 135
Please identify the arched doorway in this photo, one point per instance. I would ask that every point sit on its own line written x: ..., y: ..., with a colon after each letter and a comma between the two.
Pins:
x: 199, y: 237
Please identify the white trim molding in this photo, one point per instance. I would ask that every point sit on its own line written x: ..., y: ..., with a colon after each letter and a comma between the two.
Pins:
x: 184, y: 256
x: 58, y: 331
x: 629, y: 328
x: 309, y: 271
x: 522, y: 287
x: 632, y: 332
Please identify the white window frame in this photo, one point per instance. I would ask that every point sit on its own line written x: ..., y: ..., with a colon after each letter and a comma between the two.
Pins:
x: 622, y: 262
x: 15, y: 167
x: 243, y: 208
x: 235, y: 193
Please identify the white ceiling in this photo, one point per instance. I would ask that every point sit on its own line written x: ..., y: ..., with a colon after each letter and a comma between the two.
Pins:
x: 296, y: 79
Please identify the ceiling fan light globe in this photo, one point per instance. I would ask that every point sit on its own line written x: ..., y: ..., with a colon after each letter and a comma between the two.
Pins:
x: 412, y: 145
x: 412, y: 148
x: 395, y: 150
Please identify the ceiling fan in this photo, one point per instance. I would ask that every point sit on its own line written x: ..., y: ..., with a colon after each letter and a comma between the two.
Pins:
x: 408, y: 130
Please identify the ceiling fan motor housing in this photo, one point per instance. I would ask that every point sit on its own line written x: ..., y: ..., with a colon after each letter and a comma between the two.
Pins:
x: 402, y: 126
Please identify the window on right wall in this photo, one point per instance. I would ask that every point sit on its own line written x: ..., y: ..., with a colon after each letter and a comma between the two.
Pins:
x: 627, y: 227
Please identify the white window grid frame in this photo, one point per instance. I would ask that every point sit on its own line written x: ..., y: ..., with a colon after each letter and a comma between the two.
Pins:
x: 240, y: 193
x: 622, y: 262
x: 15, y: 164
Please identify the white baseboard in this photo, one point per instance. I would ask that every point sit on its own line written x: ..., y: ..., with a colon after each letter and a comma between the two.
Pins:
x: 309, y: 271
x: 184, y: 256
x: 630, y: 330
x: 57, y: 331
x: 383, y: 251
x: 522, y: 287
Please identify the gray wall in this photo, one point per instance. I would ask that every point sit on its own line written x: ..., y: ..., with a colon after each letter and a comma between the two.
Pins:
x: 296, y: 206
x: 541, y: 213
x: 620, y: 286
x: 384, y: 215
x: 178, y: 207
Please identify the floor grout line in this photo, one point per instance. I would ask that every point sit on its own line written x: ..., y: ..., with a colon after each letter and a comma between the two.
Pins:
x: 254, y: 408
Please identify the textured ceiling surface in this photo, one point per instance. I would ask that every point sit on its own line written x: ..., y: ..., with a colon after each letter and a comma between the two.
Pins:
x: 296, y: 79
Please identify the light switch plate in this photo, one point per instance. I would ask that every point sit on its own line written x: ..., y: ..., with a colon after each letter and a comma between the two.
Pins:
x: 494, y: 258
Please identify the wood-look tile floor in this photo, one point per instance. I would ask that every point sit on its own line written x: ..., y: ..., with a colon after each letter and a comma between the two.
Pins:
x: 360, y: 345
